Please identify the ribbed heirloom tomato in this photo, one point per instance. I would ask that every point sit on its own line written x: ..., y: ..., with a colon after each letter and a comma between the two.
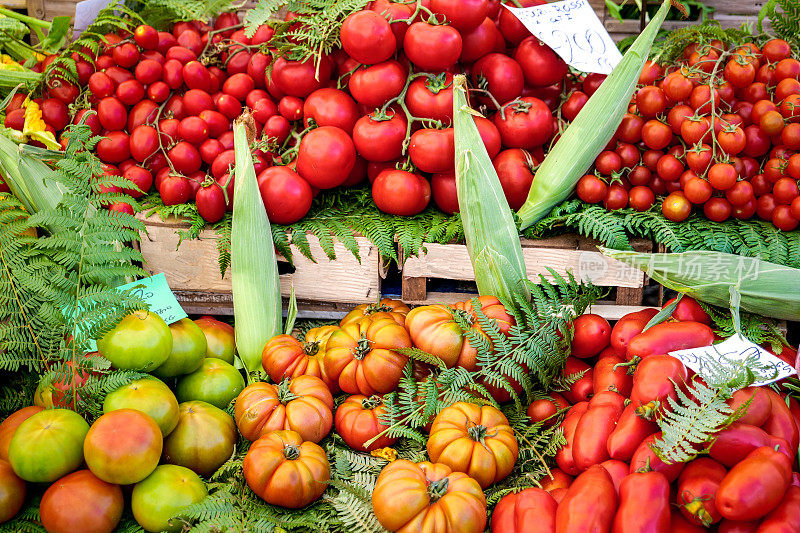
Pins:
x: 286, y: 356
x: 433, y: 328
x: 286, y: 471
x: 476, y: 439
x: 361, y: 355
x: 428, y: 498
x: 358, y: 421
x: 302, y: 404
x: 395, y: 308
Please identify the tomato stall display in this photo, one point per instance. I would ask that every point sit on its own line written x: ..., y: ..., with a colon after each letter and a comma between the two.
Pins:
x: 715, y: 130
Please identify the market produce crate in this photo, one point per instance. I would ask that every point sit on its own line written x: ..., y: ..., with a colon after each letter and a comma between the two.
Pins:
x: 192, y: 271
x: 566, y: 253
x: 729, y: 13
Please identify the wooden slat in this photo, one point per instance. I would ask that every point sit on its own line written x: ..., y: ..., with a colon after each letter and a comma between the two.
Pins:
x: 194, y: 267
x: 451, y: 261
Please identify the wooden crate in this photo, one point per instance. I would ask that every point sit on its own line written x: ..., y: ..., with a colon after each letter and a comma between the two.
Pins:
x: 564, y: 253
x: 192, y: 271
x: 729, y: 13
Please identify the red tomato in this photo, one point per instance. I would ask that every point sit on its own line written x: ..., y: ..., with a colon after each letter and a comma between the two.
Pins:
x: 591, y: 334
x: 564, y: 456
x: 480, y: 41
x: 545, y: 409
x: 644, y: 457
x: 174, y: 190
x: 527, y: 124
x: 326, y: 157
x: 512, y: 29
x: 591, y: 189
x: 380, y: 138
x: 330, y: 107
x: 628, y: 434
x: 780, y: 422
x: 784, y: 517
x: 643, y: 504
x: 443, y: 187
x: 431, y: 97
x: 81, y: 502
x: 653, y: 381
x: 500, y: 75
x: 211, y: 202
x: 515, y: 511
x: 433, y: 150
x: 697, y: 491
x: 540, y: 64
x: 112, y: 114
x: 589, y: 504
x: 433, y: 48
x: 668, y: 337
x: 287, y: 197
x: 755, y: 486
x: 298, y: 78
x: 594, y: 427
x: 582, y: 389
x: 114, y: 148
x: 377, y: 84
x: 399, y: 192
x: 515, y: 170
x: 607, y: 378
x: 367, y: 37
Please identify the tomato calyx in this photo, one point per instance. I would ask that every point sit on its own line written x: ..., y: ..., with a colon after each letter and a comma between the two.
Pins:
x: 363, y: 347
x: 630, y: 365
x: 436, y: 83
x: 372, y: 402
x: 463, y: 319
x: 696, y: 508
x: 648, y: 411
x: 285, y: 395
x: 438, y: 489
x: 377, y: 308
x: 291, y: 452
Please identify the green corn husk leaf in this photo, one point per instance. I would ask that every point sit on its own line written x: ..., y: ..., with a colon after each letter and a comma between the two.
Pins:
x: 254, y: 269
x: 591, y: 130
x: 489, y: 228
x: 28, y: 178
x: 764, y: 288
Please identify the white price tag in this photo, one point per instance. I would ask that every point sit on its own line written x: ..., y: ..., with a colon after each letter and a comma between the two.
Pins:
x: 732, y: 351
x: 571, y: 28
x: 86, y: 12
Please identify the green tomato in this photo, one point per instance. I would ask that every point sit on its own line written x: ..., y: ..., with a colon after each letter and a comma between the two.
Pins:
x: 149, y: 395
x: 220, y: 338
x: 163, y: 494
x: 204, y: 439
x: 188, y: 350
x: 48, y: 445
x: 215, y: 382
x: 141, y: 341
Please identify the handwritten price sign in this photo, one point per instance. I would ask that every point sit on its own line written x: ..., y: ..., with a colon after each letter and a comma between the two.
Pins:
x: 736, y: 350
x: 155, y: 291
x: 572, y: 29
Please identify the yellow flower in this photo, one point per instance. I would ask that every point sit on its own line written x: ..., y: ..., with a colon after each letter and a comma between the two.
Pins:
x: 7, y: 63
x: 390, y: 454
x: 35, y: 127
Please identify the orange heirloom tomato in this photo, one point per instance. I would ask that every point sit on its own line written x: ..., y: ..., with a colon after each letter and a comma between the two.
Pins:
x: 396, y: 309
x: 361, y: 355
x: 474, y: 439
x: 303, y: 404
x: 285, y: 356
x: 283, y: 470
x: 433, y: 328
x: 10, y: 425
x: 357, y: 421
x: 428, y: 498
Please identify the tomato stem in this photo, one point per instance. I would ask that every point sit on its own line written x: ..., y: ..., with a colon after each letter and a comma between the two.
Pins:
x: 438, y: 489
x: 291, y: 452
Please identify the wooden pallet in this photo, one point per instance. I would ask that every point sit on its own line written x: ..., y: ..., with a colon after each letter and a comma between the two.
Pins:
x: 567, y: 253
x: 729, y: 13
x: 192, y: 270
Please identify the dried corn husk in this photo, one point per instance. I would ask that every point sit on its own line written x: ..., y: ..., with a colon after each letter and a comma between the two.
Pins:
x: 762, y: 288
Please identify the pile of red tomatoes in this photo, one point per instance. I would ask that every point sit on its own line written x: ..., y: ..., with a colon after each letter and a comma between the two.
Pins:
x: 717, y: 129
x: 378, y: 109
x: 609, y: 477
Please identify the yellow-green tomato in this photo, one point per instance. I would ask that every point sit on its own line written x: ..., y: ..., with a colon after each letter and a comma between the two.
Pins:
x: 149, y: 395
x: 163, y: 494
x: 48, y: 445
x: 141, y: 341
x: 215, y: 382
x: 220, y: 338
x: 203, y: 440
x: 188, y: 350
